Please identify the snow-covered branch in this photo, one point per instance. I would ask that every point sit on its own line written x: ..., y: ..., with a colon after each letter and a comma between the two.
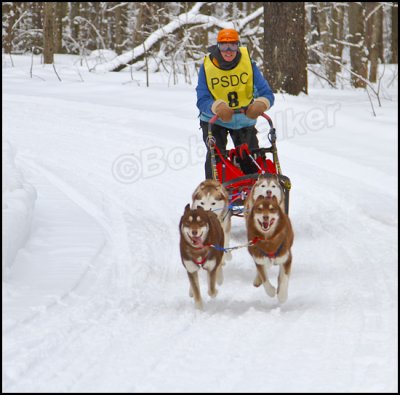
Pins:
x: 193, y: 17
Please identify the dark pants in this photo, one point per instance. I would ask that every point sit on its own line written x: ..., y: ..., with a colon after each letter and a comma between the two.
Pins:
x: 246, y: 135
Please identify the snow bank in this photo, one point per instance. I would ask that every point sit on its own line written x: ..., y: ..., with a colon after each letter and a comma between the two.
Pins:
x: 18, y: 204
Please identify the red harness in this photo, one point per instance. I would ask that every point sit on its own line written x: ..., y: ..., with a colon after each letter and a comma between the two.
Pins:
x: 205, y: 258
x: 269, y: 255
x: 202, y: 262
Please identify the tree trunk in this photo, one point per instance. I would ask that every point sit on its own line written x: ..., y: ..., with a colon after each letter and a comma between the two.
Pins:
x: 285, y: 53
x: 395, y: 33
x: 48, y: 32
x: 372, y: 35
x: 61, y: 12
x: 326, y: 27
x: 337, y: 35
x: 313, y: 30
x: 119, y: 30
x: 358, y: 57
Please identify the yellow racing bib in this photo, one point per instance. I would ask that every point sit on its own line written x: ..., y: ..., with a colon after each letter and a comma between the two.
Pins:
x: 235, y: 87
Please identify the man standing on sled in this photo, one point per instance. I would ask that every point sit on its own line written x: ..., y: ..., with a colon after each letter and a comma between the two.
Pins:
x: 229, y: 80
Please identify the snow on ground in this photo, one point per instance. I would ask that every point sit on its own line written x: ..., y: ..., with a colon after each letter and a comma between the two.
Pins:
x: 18, y: 205
x: 97, y: 299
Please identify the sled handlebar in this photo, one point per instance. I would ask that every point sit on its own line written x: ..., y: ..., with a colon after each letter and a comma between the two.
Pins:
x: 271, y: 134
x: 242, y: 111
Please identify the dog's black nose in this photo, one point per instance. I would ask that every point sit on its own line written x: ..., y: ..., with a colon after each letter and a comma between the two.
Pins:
x: 194, y: 232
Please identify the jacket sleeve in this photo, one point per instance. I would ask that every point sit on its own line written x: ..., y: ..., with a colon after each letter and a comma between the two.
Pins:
x: 261, y: 86
x: 204, y: 97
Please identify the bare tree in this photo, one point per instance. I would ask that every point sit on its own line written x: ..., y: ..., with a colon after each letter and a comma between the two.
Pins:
x: 326, y: 27
x: 285, y: 54
x: 313, y: 33
x: 358, y: 54
x: 48, y: 32
x: 373, y: 35
x: 395, y: 33
x: 337, y: 34
x: 61, y: 12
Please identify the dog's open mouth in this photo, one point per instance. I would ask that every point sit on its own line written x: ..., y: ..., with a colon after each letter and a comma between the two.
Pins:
x: 196, y: 240
x: 266, y: 225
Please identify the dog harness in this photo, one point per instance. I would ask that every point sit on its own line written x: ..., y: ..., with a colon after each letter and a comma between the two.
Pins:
x: 269, y: 255
x: 201, y: 263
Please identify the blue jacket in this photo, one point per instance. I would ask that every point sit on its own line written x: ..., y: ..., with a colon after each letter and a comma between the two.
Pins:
x: 205, y: 99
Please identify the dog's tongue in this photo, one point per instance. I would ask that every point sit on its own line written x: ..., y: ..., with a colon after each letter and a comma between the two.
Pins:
x: 196, y: 240
x: 268, y: 224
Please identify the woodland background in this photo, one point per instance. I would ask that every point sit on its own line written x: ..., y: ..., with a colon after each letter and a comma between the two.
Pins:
x: 340, y: 42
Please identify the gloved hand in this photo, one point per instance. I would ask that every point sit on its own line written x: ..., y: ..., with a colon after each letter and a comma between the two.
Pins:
x: 258, y: 107
x: 223, y: 111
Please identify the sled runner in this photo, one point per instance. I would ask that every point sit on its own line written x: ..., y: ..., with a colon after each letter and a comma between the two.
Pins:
x: 226, y: 167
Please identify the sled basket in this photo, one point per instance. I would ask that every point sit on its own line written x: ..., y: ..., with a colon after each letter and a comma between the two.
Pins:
x: 226, y: 168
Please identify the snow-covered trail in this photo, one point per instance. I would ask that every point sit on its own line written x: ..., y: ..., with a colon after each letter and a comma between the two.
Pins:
x: 129, y: 324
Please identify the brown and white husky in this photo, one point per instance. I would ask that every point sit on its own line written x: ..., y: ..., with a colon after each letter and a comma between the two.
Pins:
x: 212, y: 195
x: 267, y: 185
x: 200, y: 232
x: 270, y: 231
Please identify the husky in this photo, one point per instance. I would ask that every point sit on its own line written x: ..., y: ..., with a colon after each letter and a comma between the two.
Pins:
x: 267, y: 185
x: 201, y: 234
x: 270, y: 235
x: 212, y: 195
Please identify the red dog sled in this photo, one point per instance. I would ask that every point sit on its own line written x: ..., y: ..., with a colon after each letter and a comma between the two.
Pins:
x: 227, y: 169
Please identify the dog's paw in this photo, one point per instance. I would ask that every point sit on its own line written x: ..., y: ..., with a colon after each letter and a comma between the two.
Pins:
x: 257, y: 281
x: 269, y: 289
x: 282, y: 297
x: 213, y: 294
x: 282, y: 294
x: 283, y: 290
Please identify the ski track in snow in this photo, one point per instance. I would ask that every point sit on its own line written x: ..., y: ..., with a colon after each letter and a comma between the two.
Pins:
x: 129, y: 316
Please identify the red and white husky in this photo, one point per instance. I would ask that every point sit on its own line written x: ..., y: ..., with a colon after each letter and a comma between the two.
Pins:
x: 267, y: 185
x: 270, y: 231
x: 212, y: 195
x: 200, y: 230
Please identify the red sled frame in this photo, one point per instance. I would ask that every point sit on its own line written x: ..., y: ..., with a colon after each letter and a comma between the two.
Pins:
x: 232, y: 177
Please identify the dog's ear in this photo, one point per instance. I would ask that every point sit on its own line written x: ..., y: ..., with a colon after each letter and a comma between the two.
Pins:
x: 275, y: 201
x: 187, y: 208
x: 259, y: 198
